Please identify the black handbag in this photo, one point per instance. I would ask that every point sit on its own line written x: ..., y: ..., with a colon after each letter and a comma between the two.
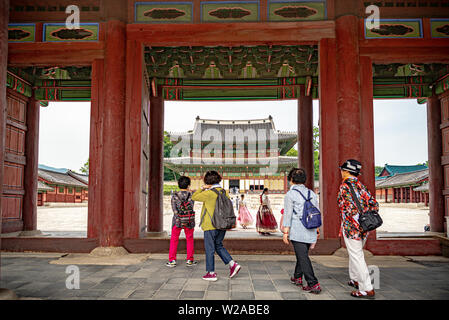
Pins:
x: 369, y: 220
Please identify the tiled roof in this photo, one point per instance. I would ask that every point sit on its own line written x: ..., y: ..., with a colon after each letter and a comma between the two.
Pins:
x: 81, y: 177
x: 60, y: 178
x: 422, y: 188
x: 392, y: 169
x: 48, y: 168
x: 266, y: 125
x: 41, y: 186
x: 252, y: 131
x: 403, y: 179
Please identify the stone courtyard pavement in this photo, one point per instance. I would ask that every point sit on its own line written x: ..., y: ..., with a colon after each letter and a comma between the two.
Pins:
x: 262, y: 277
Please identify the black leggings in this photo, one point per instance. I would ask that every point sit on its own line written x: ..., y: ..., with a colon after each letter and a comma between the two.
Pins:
x: 303, y: 263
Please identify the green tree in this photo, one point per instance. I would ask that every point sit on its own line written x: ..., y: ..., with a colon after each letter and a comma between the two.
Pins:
x: 316, y: 152
x: 377, y: 170
x: 169, y: 175
x: 292, y: 153
x: 85, y: 168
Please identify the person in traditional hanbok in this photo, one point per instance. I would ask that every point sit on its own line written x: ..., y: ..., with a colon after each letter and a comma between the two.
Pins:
x: 245, y: 219
x: 265, y: 222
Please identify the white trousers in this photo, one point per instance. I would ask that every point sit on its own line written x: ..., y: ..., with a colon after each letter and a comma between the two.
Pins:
x: 358, y: 270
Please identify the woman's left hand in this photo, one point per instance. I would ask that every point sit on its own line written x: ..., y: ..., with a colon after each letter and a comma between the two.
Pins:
x: 285, y: 238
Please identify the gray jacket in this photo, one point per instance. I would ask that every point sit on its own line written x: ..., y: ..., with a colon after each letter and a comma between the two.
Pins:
x: 293, y: 206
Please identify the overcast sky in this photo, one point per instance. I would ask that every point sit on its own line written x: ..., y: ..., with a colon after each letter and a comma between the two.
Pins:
x: 400, y: 127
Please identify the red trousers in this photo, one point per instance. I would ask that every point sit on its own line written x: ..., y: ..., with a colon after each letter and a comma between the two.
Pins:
x: 174, y: 240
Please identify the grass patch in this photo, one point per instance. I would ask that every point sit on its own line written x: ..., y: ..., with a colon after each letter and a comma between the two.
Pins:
x: 169, y: 188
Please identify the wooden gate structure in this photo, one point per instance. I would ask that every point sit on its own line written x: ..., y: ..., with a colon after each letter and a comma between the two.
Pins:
x: 129, y: 56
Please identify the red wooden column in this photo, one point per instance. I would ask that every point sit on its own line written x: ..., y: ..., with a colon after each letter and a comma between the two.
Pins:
x: 95, y: 149
x: 31, y: 167
x: 330, y: 177
x: 436, y: 178
x: 113, y: 151
x: 156, y: 172
x: 305, y: 137
x: 368, y: 176
x: 134, y: 207
x: 348, y: 89
x: 367, y: 125
x: 386, y: 195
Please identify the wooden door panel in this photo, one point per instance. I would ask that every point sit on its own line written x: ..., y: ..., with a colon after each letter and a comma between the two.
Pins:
x: 444, y: 109
x: 17, y: 109
x: 15, y: 161
x: 13, y: 177
x: 15, y: 140
x: 12, y: 206
x: 445, y: 141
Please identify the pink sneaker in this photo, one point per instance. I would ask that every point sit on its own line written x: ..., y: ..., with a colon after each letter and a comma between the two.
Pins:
x: 316, y: 289
x: 234, y: 270
x: 210, y: 277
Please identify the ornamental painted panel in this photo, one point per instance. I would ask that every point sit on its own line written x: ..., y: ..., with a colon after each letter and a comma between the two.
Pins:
x: 57, y: 32
x: 296, y: 10
x: 163, y: 12
x: 439, y: 28
x: 21, y: 32
x: 18, y: 85
x: 395, y: 28
x: 255, y: 62
x: 229, y: 11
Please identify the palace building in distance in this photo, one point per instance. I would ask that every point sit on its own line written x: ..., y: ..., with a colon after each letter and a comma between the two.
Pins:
x: 249, y: 154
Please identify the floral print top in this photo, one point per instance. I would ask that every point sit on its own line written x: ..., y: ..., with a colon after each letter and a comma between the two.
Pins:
x: 348, y: 209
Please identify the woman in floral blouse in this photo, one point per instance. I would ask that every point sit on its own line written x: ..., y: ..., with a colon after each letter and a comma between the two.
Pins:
x: 350, y: 229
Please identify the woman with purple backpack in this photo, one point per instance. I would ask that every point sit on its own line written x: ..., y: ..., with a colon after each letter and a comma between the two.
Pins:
x: 294, y: 230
